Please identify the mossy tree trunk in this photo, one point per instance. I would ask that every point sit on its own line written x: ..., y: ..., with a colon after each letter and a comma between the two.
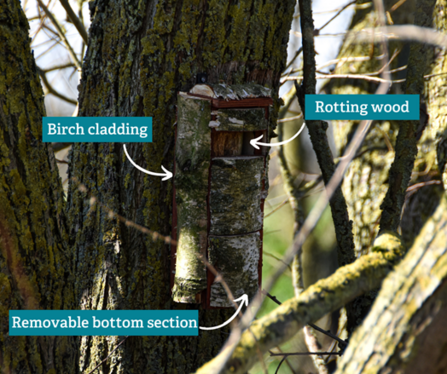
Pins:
x: 141, y: 53
x: 368, y: 179
x: 35, y: 260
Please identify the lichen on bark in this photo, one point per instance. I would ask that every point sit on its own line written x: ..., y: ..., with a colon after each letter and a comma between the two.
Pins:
x: 35, y: 260
x: 236, y: 258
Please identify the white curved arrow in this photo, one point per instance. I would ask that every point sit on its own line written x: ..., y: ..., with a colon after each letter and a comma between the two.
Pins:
x: 255, y: 143
x: 244, y: 300
x: 167, y: 174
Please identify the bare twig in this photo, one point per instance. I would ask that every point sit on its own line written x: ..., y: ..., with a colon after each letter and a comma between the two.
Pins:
x: 336, y: 15
x: 52, y: 90
x: 342, y: 343
x: 112, y: 214
x: 288, y: 119
x: 305, y: 354
x: 59, y: 67
x: 406, y: 148
x: 320, y: 143
x: 397, y: 5
x: 61, y: 34
x: 417, y: 186
x: 275, y: 257
x: 75, y: 19
x: 277, y: 208
x: 348, y: 76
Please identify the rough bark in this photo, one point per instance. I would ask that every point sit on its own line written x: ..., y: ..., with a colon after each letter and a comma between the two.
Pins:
x: 35, y: 261
x: 140, y: 55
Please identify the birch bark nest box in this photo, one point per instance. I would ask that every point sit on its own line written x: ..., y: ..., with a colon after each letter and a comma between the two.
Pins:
x: 220, y: 185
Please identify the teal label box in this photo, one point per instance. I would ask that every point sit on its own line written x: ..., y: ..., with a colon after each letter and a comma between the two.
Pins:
x: 358, y: 107
x: 103, y: 322
x: 97, y: 129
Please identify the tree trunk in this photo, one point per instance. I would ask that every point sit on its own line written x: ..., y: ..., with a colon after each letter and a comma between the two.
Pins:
x: 405, y: 332
x: 368, y: 178
x: 140, y: 55
x: 35, y: 260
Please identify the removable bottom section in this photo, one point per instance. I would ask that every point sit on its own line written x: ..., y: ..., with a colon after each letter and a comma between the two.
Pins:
x: 236, y: 258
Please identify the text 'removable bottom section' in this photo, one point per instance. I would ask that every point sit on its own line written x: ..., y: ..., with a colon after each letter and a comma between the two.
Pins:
x: 103, y: 322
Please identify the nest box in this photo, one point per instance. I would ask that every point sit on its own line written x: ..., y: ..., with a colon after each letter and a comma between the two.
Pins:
x: 220, y: 185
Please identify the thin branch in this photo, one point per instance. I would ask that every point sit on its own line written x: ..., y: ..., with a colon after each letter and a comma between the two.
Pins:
x: 342, y: 60
x: 323, y: 297
x: 52, y: 90
x: 75, y: 19
x: 348, y: 76
x: 61, y: 34
x: 403, y: 32
x: 342, y: 343
x: 286, y: 361
x: 112, y: 214
x: 280, y: 363
x: 277, y: 208
x: 319, y: 140
x: 297, y: 53
x: 59, y: 67
x: 338, y: 13
x: 276, y: 258
x: 397, y: 5
x: 288, y: 119
x: 417, y: 186
x: 406, y: 148
x: 305, y: 354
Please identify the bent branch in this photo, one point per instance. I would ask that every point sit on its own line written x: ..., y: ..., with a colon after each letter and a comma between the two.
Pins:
x: 323, y: 297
